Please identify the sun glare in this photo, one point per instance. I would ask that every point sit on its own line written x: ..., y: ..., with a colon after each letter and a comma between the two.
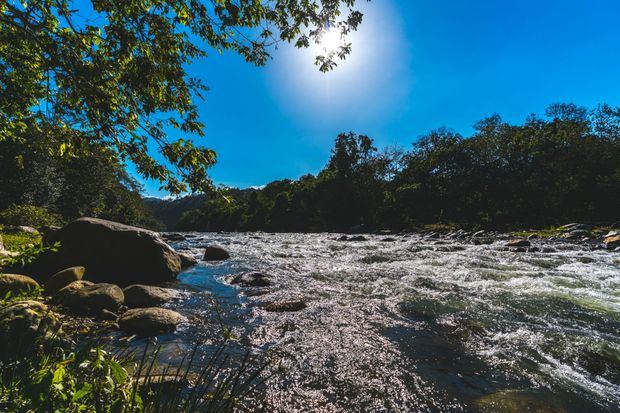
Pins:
x: 331, y: 40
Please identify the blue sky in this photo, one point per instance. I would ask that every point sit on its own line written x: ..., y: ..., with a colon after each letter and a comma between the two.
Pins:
x: 416, y: 65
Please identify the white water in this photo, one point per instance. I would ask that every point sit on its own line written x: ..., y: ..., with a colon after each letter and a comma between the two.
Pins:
x: 420, y: 324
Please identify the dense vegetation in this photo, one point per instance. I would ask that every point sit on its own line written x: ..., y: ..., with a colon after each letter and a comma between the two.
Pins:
x: 116, y: 71
x: 550, y: 170
x: 40, y: 186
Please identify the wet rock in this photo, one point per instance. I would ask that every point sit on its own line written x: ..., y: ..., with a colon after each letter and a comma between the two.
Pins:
x: 357, y: 238
x: 585, y: 260
x: 576, y: 234
x: 148, y: 322
x: 612, y: 242
x: 519, y: 249
x: 548, y: 250
x: 518, y: 243
x: 601, y: 361
x: 15, y: 284
x: 187, y: 261
x: 139, y: 296
x: 63, y: 278
x: 533, y: 249
x: 576, y: 227
x: 518, y: 401
x: 21, y: 321
x: 388, y: 239
x: 82, y: 296
x: 112, y: 252
x: 173, y: 236
x: 215, y: 253
x: 251, y: 279
x: 285, y: 306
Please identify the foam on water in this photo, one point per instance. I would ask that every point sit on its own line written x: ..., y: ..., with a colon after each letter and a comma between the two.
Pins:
x: 419, y: 324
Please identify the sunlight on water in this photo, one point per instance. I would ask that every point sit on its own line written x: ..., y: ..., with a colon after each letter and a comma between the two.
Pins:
x: 419, y: 325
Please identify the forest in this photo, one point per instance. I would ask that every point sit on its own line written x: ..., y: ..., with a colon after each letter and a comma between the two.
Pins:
x: 554, y: 169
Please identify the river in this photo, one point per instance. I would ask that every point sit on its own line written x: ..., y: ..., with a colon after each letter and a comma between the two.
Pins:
x: 415, y: 324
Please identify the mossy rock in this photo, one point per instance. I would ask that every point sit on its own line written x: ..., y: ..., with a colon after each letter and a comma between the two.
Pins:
x: 15, y: 284
x: 518, y: 401
x: 63, y: 278
x: 22, y: 321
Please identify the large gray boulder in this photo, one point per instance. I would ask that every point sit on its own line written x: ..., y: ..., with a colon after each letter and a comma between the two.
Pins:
x: 147, y: 322
x: 113, y: 252
x: 137, y: 296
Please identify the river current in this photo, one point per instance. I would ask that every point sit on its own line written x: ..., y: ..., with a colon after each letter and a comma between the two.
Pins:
x: 415, y: 324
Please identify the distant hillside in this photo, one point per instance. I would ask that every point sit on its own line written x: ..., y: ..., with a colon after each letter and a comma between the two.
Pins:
x: 170, y: 211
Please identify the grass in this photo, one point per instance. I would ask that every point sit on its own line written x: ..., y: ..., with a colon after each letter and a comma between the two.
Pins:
x: 19, y: 240
x: 47, y: 371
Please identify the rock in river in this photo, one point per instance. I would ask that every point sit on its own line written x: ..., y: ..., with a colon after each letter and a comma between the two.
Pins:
x: 137, y: 296
x: 251, y: 279
x: 215, y: 253
x: 16, y: 283
x: 88, y: 297
x: 187, y: 260
x: 518, y: 243
x: 113, y: 252
x: 63, y: 278
x: 285, y: 306
x: 147, y: 322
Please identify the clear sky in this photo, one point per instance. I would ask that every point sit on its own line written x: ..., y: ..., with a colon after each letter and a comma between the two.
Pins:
x: 416, y: 65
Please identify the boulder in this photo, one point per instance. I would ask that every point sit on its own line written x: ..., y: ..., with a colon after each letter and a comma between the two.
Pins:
x: 285, y: 306
x: 63, y: 278
x: 576, y: 227
x: 139, y: 296
x: 577, y: 233
x: 173, y: 236
x: 16, y: 283
x: 21, y: 321
x: 113, y: 252
x: 518, y: 243
x: 612, y: 242
x: 147, y: 322
x: 84, y: 296
x: 187, y: 260
x: 215, y: 253
x: 251, y: 279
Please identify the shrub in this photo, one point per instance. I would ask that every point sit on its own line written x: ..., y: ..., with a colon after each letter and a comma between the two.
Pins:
x: 31, y: 215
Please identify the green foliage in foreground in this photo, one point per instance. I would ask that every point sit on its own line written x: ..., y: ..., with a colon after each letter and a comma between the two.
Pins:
x: 15, y: 241
x: 88, y: 377
x: 561, y: 168
x: 117, y: 70
x: 30, y: 215
x: 54, y: 373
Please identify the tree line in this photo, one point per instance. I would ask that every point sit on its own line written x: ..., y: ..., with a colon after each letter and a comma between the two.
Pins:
x: 564, y: 166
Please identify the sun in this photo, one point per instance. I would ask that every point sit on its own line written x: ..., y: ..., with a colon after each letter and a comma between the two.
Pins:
x: 331, y: 40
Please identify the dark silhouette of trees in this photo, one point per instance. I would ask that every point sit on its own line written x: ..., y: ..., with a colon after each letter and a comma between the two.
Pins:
x: 564, y: 167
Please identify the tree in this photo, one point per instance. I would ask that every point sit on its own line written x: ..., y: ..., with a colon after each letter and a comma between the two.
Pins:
x: 116, y: 69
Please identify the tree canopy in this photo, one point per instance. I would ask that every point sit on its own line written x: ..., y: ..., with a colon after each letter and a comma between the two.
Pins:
x: 549, y: 170
x: 116, y: 70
